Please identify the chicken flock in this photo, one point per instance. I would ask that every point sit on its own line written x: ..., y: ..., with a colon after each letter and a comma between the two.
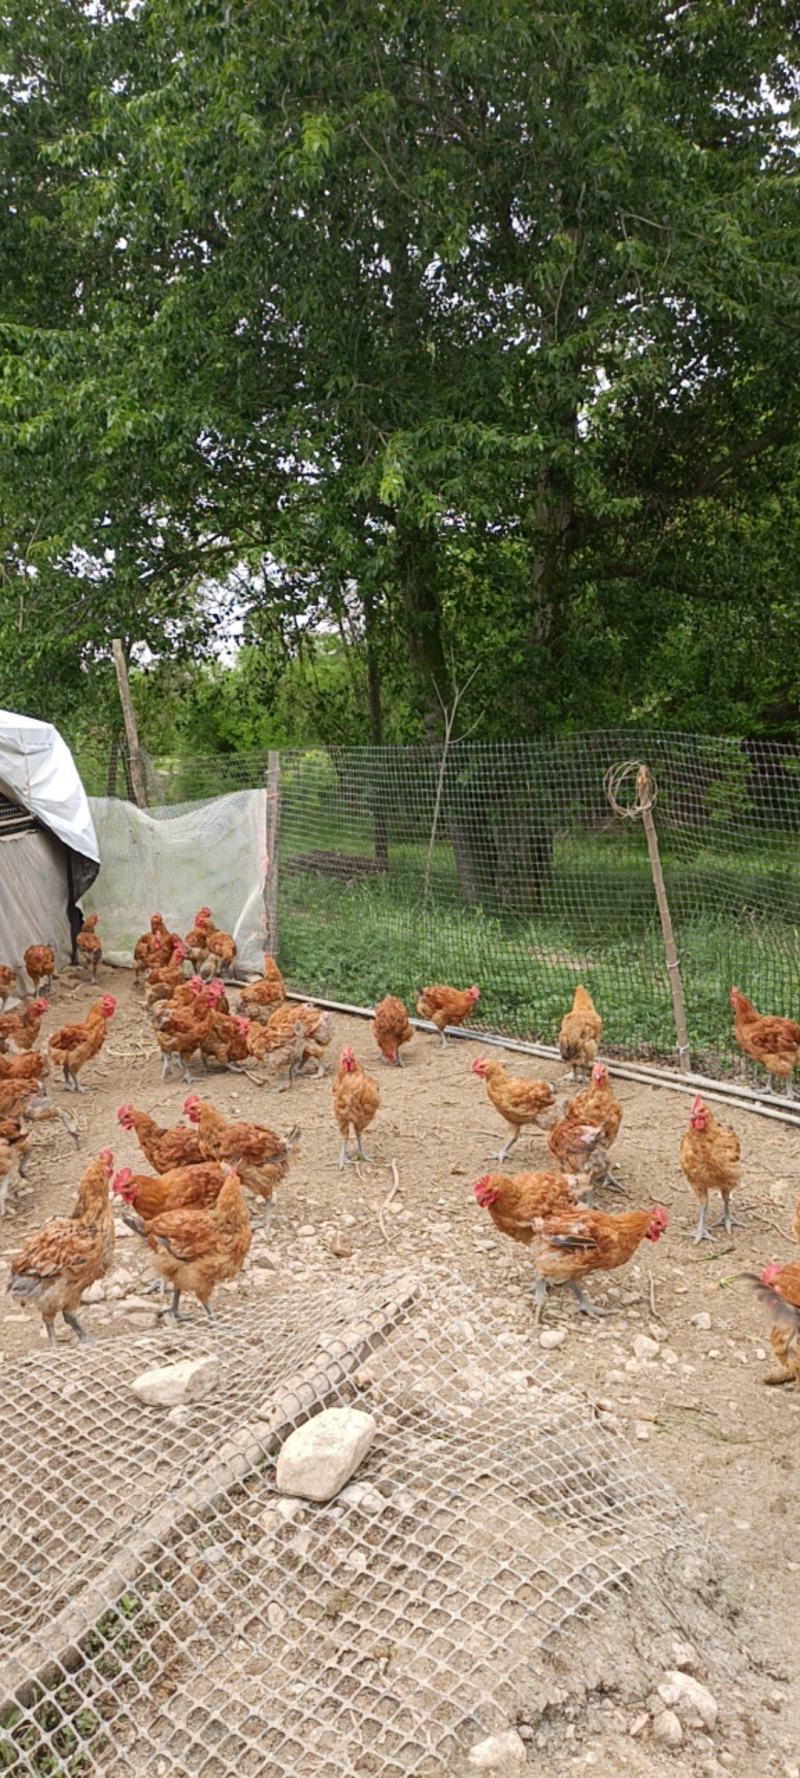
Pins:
x: 189, y: 1204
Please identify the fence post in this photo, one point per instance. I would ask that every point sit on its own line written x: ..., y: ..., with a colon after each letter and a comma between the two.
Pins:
x: 643, y: 805
x: 137, y: 777
x: 271, y: 853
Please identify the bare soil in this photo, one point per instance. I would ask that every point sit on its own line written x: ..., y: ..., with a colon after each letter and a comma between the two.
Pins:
x: 700, y: 1410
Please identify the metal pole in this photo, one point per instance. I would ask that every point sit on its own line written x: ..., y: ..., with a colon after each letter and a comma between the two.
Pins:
x: 138, y: 784
x: 271, y: 858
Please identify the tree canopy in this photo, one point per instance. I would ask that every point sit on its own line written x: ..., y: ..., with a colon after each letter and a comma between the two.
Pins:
x: 404, y: 340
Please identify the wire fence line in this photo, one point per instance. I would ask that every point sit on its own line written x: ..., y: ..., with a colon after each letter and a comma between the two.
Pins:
x: 507, y: 865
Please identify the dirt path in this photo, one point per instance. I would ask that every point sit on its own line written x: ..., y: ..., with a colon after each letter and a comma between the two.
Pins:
x: 699, y: 1408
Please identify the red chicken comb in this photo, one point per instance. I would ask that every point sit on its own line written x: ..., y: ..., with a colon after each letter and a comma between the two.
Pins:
x: 106, y: 1155
x: 771, y: 1273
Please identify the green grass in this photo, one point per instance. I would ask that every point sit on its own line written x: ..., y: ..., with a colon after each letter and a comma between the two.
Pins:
x: 598, y: 923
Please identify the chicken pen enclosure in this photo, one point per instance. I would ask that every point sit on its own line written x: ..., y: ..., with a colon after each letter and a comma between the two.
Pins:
x: 504, y: 1560
x: 508, y: 865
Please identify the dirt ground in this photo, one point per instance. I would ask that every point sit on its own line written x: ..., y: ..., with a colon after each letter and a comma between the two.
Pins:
x: 699, y: 1409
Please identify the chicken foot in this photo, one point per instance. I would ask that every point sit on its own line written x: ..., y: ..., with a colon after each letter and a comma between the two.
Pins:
x: 587, y: 1308
x: 701, y: 1233
x: 770, y: 1089
x: 727, y: 1220
x: 361, y: 1154
x: 174, y: 1307
x: 72, y: 1321
x: 539, y: 1291
x: 501, y: 1153
x: 71, y: 1082
x: 613, y: 1184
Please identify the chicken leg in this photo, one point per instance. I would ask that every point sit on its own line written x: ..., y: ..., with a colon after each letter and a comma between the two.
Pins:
x: 539, y: 1294
x: 501, y: 1153
x: 73, y: 1322
x: 701, y: 1233
x: 727, y: 1220
x: 587, y: 1308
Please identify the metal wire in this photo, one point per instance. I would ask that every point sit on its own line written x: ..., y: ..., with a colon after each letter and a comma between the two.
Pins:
x: 162, y: 1609
x: 536, y: 881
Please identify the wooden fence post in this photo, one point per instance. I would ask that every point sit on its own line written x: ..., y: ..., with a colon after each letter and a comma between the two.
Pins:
x: 643, y: 805
x: 137, y: 777
x: 272, y: 836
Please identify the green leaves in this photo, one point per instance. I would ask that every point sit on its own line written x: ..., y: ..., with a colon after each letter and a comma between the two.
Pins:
x: 476, y: 324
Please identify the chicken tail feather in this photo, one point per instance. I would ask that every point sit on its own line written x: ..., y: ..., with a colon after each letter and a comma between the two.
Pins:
x: 778, y: 1308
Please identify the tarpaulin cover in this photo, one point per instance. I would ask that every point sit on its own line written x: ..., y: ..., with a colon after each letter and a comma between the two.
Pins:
x: 175, y: 860
x: 38, y: 771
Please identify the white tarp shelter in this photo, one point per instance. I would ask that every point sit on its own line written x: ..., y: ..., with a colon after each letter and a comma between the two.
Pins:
x: 49, y: 854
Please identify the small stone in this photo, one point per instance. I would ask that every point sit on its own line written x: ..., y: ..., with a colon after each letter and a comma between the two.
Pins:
x: 498, y: 1752
x: 760, y: 1353
x: 694, y: 1703
x: 341, y: 1247
x: 549, y: 1340
x: 615, y: 1377
x: 684, y: 1655
x: 363, y: 1497
x: 347, y: 1220
x: 791, y: 1769
x: 667, y: 1729
x: 169, y: 1384
x: 289, y: 1509
x: 307, y: 1231
x: 639, y: 1723
x: 178, y: 1416
x: 644, y: 1347
x: 276, y: 1616
x: 632, y: 1366
x: 320, y: 1457
x: 264, y: 1262
x: 641, y: 1429
x: 702, y: 1321
x: 668, y: 1356
x: 95, y: 1293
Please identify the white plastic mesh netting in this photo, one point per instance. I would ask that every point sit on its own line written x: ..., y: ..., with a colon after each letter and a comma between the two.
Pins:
x: 161, y: 1612
x: 176, y: 859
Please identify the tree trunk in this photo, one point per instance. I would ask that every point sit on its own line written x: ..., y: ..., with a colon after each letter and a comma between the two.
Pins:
x: 379, y: 816
x: 475, y: 858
